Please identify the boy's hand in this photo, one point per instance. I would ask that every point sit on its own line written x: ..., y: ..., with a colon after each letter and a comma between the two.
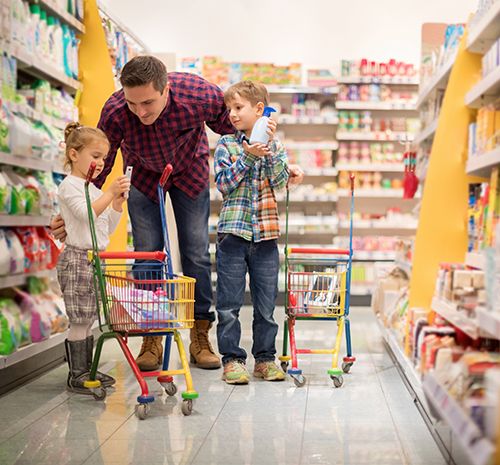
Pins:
x: 259, y: 150
x: 296, y: 175
x: 119, y: 186
x: 271, y: 128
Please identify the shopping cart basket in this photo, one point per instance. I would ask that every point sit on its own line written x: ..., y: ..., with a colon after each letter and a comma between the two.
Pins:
x: 139, y: 295
x: 318, y: 282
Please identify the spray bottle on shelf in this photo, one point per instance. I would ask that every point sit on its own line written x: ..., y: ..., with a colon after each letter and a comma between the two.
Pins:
x: 259, y: 131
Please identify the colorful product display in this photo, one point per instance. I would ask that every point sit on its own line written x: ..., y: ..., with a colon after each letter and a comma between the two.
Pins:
x: 365, y: 153
x: 374, y: 69
x: 375, y: 93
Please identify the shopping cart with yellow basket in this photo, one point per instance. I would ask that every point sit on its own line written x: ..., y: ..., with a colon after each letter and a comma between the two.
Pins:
x: 139, y: 295
x: 318, y: 282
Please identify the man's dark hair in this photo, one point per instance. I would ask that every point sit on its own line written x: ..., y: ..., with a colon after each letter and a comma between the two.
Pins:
x: 142, y: 70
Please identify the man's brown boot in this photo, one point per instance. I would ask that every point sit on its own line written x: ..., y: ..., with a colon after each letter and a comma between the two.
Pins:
x: 151, y: 355
x: 200, y: 349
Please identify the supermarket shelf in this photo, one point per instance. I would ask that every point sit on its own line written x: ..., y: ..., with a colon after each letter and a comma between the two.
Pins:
x: 388, y: 106
x: 383, y: 167
x: 406, y: 367
x: 25, y: 162
x: 448, y: 311
x: 426, y: 133
x: 36, y: 67
x: 24, y: 220
x: 387, y: 136
x: 485, y: 91
x: 295, y: 198
x: 372, y: 193
x: 489, y: 322
x: 320, y: 171
x: 481, y: 165
x: 390, y: 80
x: 479, y: 449
x: 307, y: 120
x: 302, y: 90
x: 68, y: 18
x: 26, y: 352
x: 104, y: 9
x: 487, y: 29
x: 475, y: 260
x: 378, y: 225
x: 361, y: 289
x: 311, y: 145
x: 438, y: 81
x: 20, y: 279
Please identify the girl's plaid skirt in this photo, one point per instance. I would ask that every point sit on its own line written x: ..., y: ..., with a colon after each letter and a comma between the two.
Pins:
x: 76, y: 280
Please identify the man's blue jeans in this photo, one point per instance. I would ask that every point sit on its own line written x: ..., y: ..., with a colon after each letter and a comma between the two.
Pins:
x: 191, y: 216
x: 236, y: 257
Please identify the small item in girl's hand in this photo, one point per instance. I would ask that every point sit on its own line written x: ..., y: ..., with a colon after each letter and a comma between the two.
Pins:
x: 128, y: 173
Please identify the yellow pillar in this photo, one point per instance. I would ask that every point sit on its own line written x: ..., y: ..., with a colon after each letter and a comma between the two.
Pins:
x: 442, y: 229
x: 96, y: 74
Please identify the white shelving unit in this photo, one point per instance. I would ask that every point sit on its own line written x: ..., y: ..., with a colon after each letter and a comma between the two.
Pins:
x: 390, y: 80
x: 449, y: 312
x: 481, y: 165
x: 311, y: 145
x: 383, y: 167
x: 272, y: 89
x: 387, y: 136
x: 55, y: 9
x: 372, y: 193
x: 385, y: 106
x: 308, y: 120
x: 23, y: 220
x: 426, y: 133
x: 485, y: 91
x: 484, y: 30
x: 21, y: 278
x: 489, y: 323
x: 438, y: 81
x: 478, y: 448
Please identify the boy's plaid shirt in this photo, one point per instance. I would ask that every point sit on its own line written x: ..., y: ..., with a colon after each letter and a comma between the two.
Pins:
x: 247, y: 183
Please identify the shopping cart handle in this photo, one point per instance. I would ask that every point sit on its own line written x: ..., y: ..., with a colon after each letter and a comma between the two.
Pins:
x: 166, y: 174
x: 159, y: 256
x: 320, y: 251
x: 90, y: 172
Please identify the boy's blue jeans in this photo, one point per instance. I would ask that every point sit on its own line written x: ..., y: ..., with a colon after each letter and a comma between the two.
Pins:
x: 235, y: 257
x: 191, y: 217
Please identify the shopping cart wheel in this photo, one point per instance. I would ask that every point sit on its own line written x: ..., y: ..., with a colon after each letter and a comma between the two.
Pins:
x: 337, y: 381
x: 99, y: 393
x: 187, y: 407
x: 346, y: 367
x: 299, y: 380
x: 170, y: 389
x: 142, y: 411
x: 284, y: 366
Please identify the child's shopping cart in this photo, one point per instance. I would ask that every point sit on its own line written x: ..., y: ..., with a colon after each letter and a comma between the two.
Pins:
x: 139, y: 295
x: 318, y: 282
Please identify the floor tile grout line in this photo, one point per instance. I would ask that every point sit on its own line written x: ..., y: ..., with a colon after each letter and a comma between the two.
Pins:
x: 213, y: 424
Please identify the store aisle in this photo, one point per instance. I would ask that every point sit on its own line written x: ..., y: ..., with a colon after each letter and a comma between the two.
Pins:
x: 370, y: 420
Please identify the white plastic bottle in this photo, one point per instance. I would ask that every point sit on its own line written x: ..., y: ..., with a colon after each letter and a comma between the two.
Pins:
x: 259, y: 131
x: 44, y: 35
x: 67, y: 51
x: 57, y: 35
x: 35, y: 24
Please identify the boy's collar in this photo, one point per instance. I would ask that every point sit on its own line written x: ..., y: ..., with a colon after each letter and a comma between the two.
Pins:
x: 241, y: 137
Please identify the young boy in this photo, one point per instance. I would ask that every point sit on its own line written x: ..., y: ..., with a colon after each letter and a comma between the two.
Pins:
x: 247, y: 176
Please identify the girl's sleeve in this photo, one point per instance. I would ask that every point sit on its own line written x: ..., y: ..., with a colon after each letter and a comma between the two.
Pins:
x: 113, y: 220
x: 229, y: 174
x: 74, y: 200
x: 277, y: 166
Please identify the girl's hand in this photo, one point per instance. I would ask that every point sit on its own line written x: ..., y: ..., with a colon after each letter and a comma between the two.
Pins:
x: 117, y: 203
x: 258, y: 150
x: 119, y: 186
x: 271, y: 128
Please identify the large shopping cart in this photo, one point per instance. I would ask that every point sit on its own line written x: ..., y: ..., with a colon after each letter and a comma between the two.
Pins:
x: 139, y: 295
x: 318, y: 282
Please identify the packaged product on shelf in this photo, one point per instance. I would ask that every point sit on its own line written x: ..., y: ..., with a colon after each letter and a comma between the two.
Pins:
x: 4, y: 254
x: 40, y: 328
x: 5, y: 194
x: 15, y: 252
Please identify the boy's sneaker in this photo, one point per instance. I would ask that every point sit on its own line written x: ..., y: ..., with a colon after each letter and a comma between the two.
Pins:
x: 269, y: 371
x: 235, y: 372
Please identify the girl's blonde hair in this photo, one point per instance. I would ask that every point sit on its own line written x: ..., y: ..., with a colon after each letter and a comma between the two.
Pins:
x: 77, y: 137
x: 254, y: 92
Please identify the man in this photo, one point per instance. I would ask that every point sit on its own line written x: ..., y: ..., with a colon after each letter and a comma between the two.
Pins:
x: 155, y: 121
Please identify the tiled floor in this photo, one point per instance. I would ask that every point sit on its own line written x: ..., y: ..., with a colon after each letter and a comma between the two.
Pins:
x: 370, y: 420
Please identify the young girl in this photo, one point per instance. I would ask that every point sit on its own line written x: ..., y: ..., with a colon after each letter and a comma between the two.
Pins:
x: 84, y: 145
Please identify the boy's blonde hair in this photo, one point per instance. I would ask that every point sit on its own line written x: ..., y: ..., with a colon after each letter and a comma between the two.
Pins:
x: 77, y: 137
x: 254, y: 92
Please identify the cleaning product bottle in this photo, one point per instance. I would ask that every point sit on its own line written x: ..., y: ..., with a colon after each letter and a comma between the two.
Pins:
x: 58, y: 45
x: 35, y: 24
x: 259, y: 131
x: 67, y: 51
